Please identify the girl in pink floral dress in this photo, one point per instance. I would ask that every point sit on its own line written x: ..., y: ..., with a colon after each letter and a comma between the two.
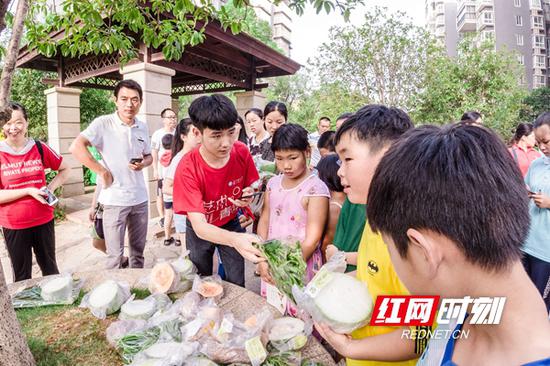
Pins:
x: 296, y: 201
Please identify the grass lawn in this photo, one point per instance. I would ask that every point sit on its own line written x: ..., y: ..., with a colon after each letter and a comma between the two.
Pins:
x: 69, y: 335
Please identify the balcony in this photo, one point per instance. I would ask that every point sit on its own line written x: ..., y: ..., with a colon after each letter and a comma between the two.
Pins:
x: 484, y: 4
x: 466, y: 22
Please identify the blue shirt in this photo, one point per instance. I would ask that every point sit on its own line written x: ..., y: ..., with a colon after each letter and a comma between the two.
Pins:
x: 538, y: 180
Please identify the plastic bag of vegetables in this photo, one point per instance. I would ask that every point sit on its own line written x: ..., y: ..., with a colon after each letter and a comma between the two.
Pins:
x: 288, y: 334
x: 106, y: 299
x: 336, y: 299
x: 54, y: 290
x: 143, y: 309
x: 209, y: 287
x: 168, y: 278
x: 165, y: 354
x: 286, y: 263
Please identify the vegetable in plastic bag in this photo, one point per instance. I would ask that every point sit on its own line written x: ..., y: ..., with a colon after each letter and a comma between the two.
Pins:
x: 336, y: 299
x: 60, y: 290
x: 120, y: 328
x: 209, y: 287
x: 138, y: 309
x: 132, y: 343
x: 57, y: 289
x: 287, y: 334
x: 286, y: 263
x: 187, y: 306
x: 106, y: 299
x: 165, y: 279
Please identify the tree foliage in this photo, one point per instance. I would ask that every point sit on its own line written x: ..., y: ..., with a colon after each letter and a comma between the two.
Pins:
x: 93, y: 102
x: 537, y: 102
x: 107, y: 26
x: 383, y: 59
x: 480, y: 78
x: 306, y: 103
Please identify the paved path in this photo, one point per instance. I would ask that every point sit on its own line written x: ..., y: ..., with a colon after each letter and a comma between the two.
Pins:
x: 74, y: 250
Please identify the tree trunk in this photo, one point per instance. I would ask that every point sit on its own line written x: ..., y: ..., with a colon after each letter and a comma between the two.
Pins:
x: 3, y: 9
x: 13, y: 345
x: 11, y: 56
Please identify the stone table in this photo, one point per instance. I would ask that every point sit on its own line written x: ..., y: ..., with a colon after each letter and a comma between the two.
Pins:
x: 240, y: 301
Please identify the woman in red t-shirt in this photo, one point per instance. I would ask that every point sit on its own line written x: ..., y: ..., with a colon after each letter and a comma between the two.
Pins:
x: 26, y: 217
x: 522, y: 147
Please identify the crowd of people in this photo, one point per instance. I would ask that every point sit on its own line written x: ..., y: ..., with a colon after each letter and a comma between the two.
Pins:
x: 451, y: 210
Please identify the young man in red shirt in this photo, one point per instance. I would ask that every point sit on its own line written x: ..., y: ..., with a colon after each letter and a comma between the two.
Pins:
x: 208, y: 185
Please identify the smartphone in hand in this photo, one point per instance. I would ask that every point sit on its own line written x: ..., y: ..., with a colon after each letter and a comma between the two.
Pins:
x: 251, y: 195
x: 50, y: 198
x: 136, y: 160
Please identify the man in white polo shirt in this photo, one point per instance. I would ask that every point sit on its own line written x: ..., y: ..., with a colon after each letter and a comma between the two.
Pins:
x: 123, y: 142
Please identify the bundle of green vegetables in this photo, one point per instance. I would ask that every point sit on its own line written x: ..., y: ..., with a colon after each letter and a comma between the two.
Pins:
x: 286, y: 264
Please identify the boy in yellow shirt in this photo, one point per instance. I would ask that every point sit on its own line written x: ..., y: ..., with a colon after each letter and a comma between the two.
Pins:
x: 361, y: 143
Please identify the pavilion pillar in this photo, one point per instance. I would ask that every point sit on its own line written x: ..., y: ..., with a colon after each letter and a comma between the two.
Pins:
x: 156, y: 82
x: 247, y: 100
x: 63, y: 105
x: 176, y: 107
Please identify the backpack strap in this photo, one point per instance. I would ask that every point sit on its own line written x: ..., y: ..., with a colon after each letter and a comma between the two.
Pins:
x: 40, y: 149
x: 515, y: 155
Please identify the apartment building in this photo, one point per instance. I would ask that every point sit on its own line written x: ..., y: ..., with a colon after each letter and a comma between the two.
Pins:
x: 441, y: 17
x: 522, y: 26
x: 279, y: 18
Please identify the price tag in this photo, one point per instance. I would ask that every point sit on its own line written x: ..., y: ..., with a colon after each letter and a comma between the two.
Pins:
x: 255, y: 350
x: 276, y: 298
x: 225, y: 327
x: 318, y: 282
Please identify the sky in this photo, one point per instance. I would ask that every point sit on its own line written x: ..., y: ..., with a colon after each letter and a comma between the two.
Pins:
x: 311, y: 30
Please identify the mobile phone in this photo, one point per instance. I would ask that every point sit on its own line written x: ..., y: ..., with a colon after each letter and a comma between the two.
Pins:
x: 136, y: 160
x: 530, y: 193
x: 50, y: 198
x: 251, y: 195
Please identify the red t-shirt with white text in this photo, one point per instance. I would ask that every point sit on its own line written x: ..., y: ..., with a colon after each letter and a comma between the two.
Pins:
x: 24, y: 169
x: 200, y: 188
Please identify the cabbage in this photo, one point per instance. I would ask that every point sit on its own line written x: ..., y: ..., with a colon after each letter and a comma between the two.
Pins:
x: 168, y: 349
x: 138, y: 309
x: 107, y: 298
x: 184, y: 267
x: 58, y: 289
x: 344, y: 303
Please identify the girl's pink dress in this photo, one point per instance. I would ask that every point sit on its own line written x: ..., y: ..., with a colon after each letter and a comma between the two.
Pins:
x: 288, y: 218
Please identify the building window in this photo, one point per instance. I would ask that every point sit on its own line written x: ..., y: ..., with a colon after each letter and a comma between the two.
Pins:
x: 537, y: 21
x: 519, y: 20
x: 536, y: 4
x: 519, y: 39
x: 517, y: 3
x: 539, y: 61
x: 538, y: 41
x: 521, y: 59
x: 487, y: 17
x: 539, y: 81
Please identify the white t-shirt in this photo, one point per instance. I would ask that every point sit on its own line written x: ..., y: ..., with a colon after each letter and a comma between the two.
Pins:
x: 156, y: 144
x: 118, y: 143
x: 315, y: 154
x: 170, y: 172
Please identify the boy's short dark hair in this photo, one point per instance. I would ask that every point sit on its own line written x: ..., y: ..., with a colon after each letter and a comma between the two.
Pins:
x: 129, y: 84
x: 344, y: 115
x: 542, y: 119
x: 376, y: 124
x: 459, y: 181
x: 290, y: 136
x: 470, y: 117
x: 324, y: 118
x: 326, y: 140
x: 216, y: 112
x: 167, y: 141
x: 328, y: 172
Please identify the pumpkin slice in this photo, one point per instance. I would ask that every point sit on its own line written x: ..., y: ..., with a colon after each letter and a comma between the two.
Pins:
x: 162, y: 278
